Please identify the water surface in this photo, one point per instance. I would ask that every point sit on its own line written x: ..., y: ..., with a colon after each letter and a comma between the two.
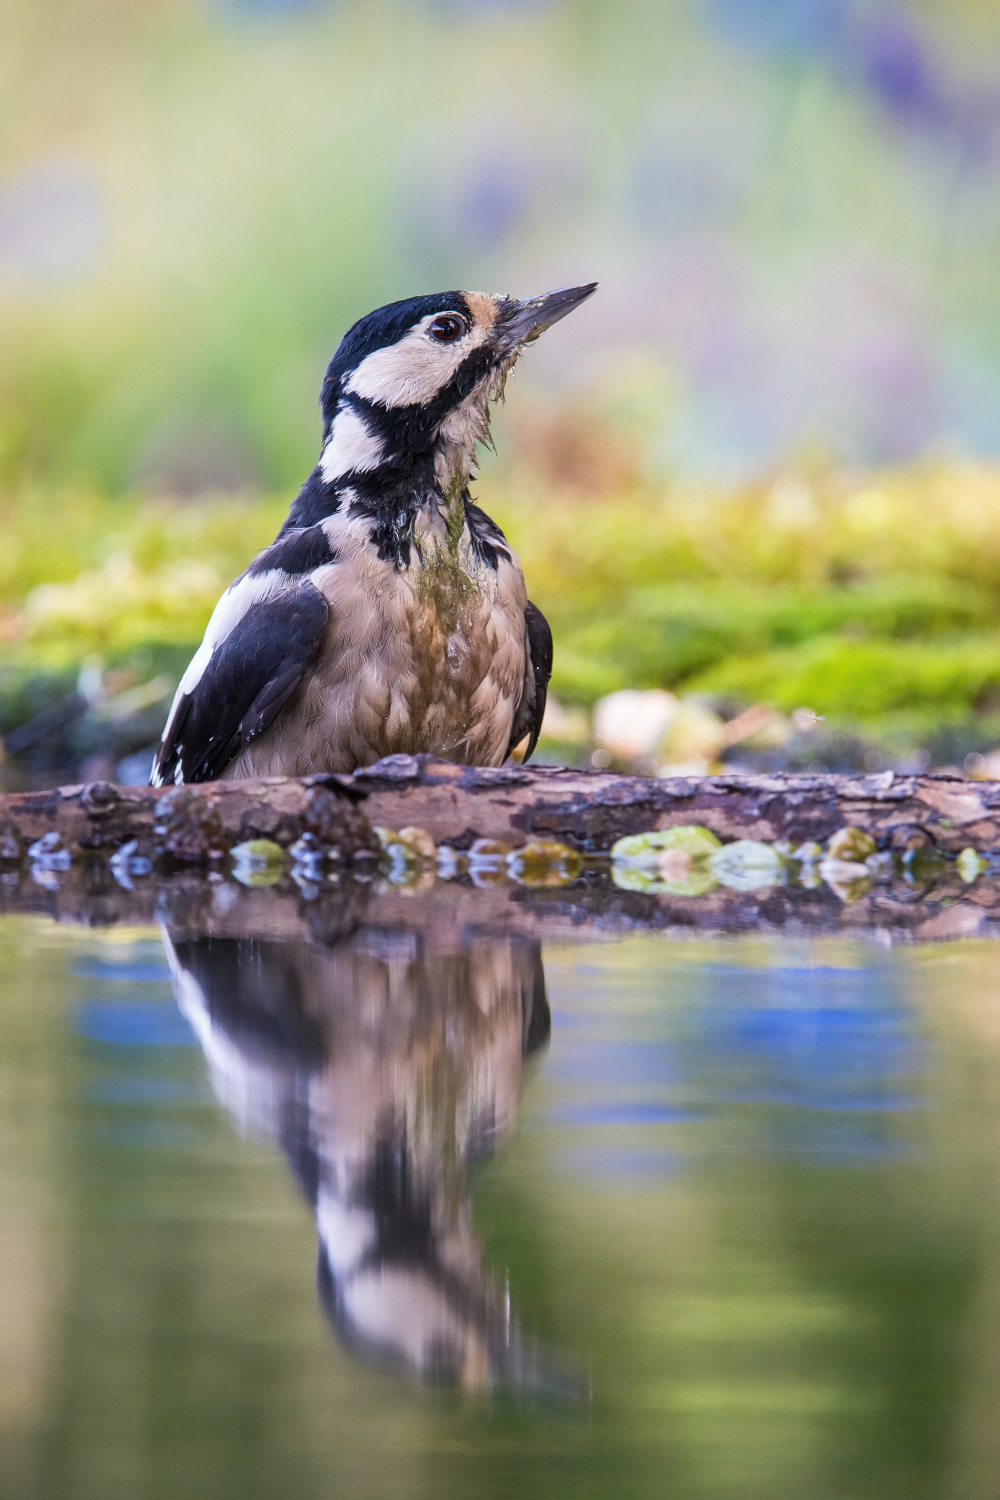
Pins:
x: 400, y: 1213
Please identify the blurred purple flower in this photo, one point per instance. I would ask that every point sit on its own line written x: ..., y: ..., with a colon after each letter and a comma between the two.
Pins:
x: 479, y: 203
x: 480, y: 193
x: 895, y: 63
x: 694, y: 301
x: 491, y: 199
x: 879, y: 49
x: 863, y: 357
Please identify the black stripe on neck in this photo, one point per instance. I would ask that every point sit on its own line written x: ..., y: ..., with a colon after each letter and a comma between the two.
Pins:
x: 317, y: 499
x: 388, y: 498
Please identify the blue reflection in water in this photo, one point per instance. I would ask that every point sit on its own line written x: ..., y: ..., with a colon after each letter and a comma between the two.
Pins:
x: 611, y: 1059
x: 617, y: 1162
x: 146, y: 1134
x: 796, y: 1045
x: 139, y: 1091
x: 569, y: 1020
x: 126, y: 1102
x: 620, y: 1114
x: 831, y: 1039
x: 134, y: 1023
x: 133, y: 973
x: 841, y: 1142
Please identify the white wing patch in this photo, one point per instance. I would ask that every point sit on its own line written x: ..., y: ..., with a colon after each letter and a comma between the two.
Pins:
x: 413, y: 370
x: 249, y: 1090
x: 351, y: 445
x: 226, y: 615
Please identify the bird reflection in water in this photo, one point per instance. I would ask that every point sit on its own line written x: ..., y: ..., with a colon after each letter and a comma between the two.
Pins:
x: 383, y: 1064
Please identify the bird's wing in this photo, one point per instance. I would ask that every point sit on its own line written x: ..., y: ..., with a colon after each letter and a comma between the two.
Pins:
x: 262, y: 638
x: 537, y: 671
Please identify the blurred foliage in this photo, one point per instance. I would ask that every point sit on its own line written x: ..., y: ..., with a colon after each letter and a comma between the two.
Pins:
x: 863, y: 598
x: 83, y: 574
x: 791, y: 206
x: 872, y: 599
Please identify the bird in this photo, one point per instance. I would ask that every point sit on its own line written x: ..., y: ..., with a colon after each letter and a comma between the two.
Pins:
x: 383, y: 1067
x: 390, y: 615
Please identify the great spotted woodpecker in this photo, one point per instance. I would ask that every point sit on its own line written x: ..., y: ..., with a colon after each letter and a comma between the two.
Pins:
x: 390, y: 613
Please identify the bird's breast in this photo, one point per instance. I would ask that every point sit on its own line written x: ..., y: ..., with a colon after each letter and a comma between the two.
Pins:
x: 425, y: 657
x: 450, y: 585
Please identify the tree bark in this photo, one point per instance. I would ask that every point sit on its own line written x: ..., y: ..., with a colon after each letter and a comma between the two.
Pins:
x: 587, y: 810
x: 186, y: 832
x: 189, y: 824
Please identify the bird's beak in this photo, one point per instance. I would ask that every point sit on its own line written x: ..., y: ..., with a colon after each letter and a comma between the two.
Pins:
x: 532, y: 317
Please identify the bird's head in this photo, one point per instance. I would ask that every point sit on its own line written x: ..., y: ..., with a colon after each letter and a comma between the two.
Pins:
x: 417, y: 377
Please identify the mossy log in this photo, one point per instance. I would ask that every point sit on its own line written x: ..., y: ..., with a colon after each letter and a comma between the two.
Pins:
x: 187, y: 825
x: 587, y: 810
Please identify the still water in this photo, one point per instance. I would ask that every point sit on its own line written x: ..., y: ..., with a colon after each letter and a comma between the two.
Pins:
x: 405, y: 1214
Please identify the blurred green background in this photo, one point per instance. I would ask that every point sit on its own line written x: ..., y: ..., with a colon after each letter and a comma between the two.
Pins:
x: 757, y: 471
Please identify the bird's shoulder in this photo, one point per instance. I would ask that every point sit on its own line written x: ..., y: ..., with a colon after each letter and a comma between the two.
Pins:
x: 297, y: 552
x: 264, y: 635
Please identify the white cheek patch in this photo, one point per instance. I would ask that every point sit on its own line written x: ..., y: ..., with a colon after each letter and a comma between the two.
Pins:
x: 413, y: 370
x: 468, y: 425
x: 351, y: 445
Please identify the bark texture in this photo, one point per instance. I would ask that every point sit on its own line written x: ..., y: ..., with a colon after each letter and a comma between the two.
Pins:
x: 186, y: 830
x: 186, y: 825
x: 588, y: 810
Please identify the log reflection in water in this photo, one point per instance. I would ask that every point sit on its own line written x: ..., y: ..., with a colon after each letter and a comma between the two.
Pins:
x: 383, y: 1065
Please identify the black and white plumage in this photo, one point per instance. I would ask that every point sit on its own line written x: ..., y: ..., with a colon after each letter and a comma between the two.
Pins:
x: 384, y: 1066
x: 390, y: 614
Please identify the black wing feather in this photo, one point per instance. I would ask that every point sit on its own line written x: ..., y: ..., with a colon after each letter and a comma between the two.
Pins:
x: 250, y: 677
x: 537, y: 671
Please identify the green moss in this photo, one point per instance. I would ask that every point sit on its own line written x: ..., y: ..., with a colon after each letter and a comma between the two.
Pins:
x: 861, y: 680
x: 675, y: 635
x: 875, y: 603
x: 444, y: 587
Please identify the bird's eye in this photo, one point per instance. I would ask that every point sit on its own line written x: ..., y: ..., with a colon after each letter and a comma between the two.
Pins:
x: 447, y: 328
